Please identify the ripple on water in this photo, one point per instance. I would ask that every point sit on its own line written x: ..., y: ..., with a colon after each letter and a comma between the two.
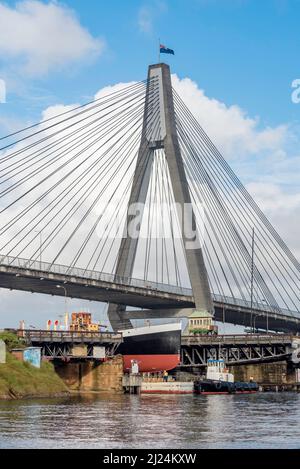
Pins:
x: 270, y: 420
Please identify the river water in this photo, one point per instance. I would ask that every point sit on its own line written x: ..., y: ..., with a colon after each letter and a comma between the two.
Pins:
x: 263, y: 420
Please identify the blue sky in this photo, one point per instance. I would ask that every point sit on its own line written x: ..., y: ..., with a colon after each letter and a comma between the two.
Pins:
x: 239, y: 58
x: 238, y: 51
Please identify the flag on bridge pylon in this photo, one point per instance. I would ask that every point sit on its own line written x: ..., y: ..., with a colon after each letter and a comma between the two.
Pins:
x: 165, y: 50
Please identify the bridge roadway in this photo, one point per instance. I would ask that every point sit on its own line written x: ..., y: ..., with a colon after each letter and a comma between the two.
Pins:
x: 160, y: 300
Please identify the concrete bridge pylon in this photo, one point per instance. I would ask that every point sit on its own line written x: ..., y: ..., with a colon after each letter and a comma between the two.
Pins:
x: 162, y: 136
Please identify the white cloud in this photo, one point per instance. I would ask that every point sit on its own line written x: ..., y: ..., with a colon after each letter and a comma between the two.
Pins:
x: 233, y: 132
x: 266, y: 159
x: 45, y: 36
x: 106, y: 90
x: 274, y: 198
x: 282, y: 208
x: 264, y: 155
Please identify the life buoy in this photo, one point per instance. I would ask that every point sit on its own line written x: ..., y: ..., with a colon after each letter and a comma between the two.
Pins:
x: 231, y: 387
x: 219, y: 385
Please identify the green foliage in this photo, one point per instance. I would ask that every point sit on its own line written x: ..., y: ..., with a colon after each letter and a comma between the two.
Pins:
x: 200, y: 331
x: 20, y: 379
x: 11, y: 340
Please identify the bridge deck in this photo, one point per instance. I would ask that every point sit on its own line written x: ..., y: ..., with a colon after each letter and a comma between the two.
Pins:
x: 42, y: 336
x: 195, y: 350
x: 41, y: 277
x: 17, y: 274
x: 238, y: 339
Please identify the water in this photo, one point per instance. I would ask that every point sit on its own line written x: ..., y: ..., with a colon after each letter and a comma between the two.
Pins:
x: 260, y: 420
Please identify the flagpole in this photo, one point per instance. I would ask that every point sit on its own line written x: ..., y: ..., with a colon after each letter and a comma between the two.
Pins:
x: 159, y: 50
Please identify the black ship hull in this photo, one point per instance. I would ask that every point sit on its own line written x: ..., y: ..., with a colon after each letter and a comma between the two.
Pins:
x: 223, y: 387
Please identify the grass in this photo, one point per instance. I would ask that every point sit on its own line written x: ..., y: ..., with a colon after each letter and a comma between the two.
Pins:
x: 21, y: 379
x: 11, y: 340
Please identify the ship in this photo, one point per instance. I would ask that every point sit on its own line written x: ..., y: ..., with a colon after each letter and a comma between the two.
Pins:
x: 219, y: 381
x: 153, y: 348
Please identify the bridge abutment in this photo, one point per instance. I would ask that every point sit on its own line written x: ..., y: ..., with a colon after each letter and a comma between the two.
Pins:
x: 269, y: 375
x: 92, y: 376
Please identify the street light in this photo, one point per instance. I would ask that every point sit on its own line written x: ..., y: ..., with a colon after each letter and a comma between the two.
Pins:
x: 257, y: 315
x: 267, y: 312
x: 41, y: 239
x: 224, y: 326
x: 66, y: 299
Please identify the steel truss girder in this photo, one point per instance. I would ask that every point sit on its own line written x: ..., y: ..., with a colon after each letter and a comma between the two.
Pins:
x: 198, y: 355
x: 64, y: 350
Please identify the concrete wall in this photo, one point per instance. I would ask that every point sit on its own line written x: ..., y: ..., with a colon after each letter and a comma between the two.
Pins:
x: 92, y: 376
x: 2, y: 352
x: 265, y: 373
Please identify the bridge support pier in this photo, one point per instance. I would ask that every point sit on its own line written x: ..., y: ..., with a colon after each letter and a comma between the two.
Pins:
x: 88, y: 375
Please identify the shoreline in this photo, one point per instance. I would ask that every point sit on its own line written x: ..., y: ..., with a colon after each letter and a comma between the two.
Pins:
x: 26, y: 397
x: 20, y: 380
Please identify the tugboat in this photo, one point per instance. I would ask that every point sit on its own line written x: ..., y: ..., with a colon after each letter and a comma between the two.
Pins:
x: 220, y: 381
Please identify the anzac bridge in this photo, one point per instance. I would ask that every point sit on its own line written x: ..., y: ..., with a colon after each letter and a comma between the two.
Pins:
x: 126, y: 200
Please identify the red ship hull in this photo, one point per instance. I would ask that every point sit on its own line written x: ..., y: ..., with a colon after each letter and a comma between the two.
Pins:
x: 152, y: 363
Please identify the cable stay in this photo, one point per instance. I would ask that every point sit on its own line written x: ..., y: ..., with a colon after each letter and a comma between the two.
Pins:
x: 65, y: 186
